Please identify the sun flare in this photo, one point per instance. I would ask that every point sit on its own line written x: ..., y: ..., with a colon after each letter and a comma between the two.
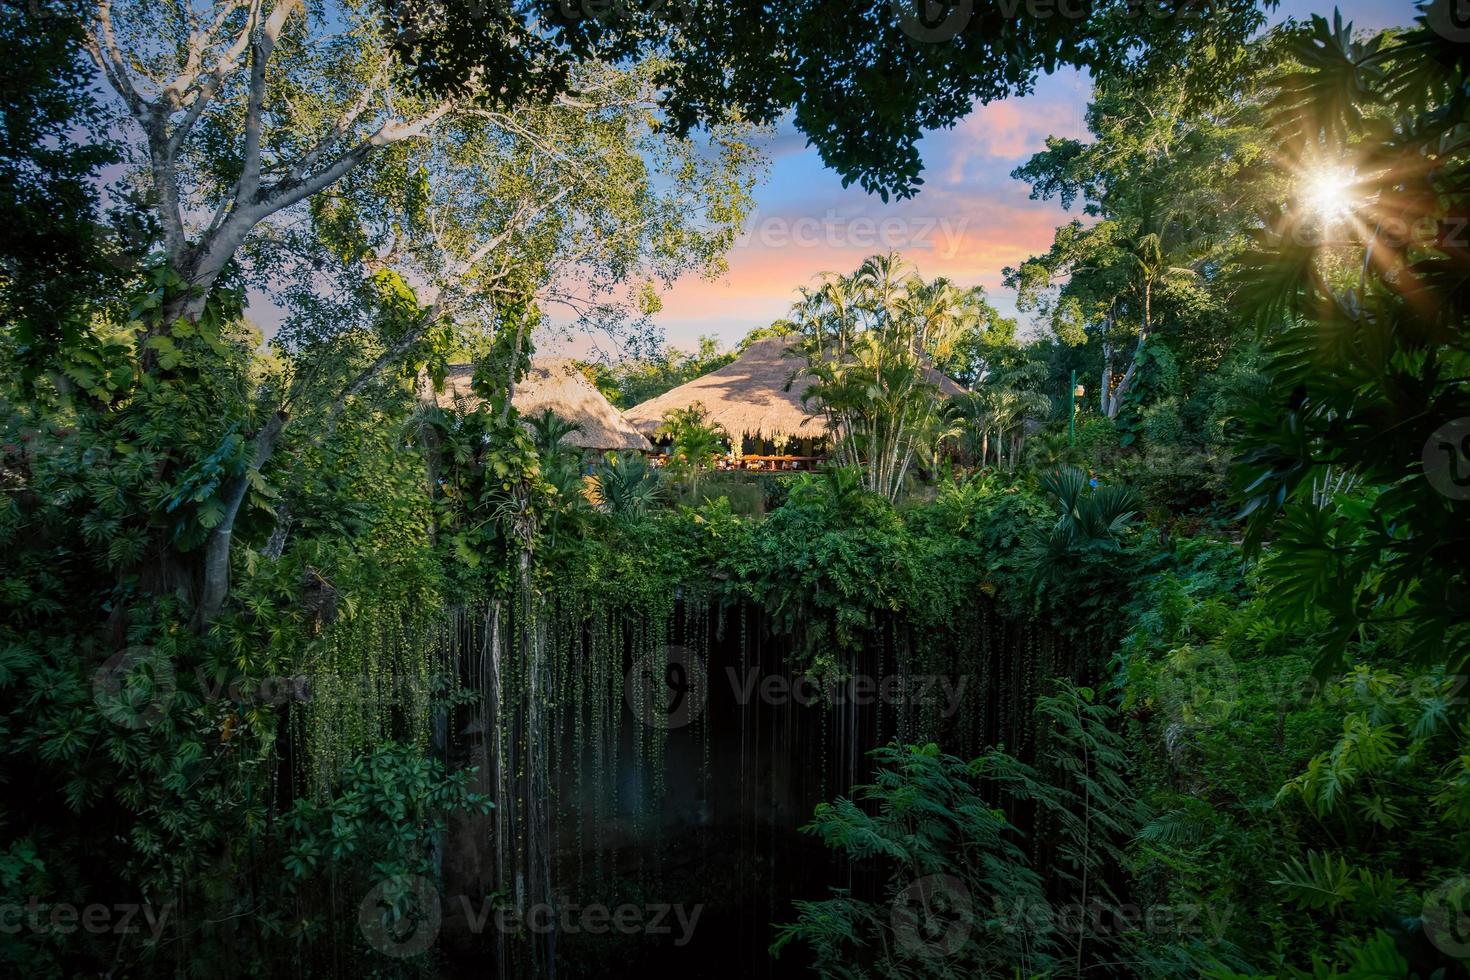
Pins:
x: 1328, y: 194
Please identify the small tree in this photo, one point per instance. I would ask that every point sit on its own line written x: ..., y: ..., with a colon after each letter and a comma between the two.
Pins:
x: 695, y: 442
x: 869, y: 340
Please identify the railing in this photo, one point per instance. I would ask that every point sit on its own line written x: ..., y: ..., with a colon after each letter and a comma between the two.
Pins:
x: 755, y: 464
x: 770, y: 464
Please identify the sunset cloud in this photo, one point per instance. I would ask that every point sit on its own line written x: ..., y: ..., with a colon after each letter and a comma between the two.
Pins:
x: 969, y: 222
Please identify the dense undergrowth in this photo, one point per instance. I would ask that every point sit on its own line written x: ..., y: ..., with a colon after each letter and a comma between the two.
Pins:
x: 279, y: 626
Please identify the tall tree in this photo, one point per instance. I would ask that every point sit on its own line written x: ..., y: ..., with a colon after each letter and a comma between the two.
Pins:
x: 1172, y: 184
x: 467, y: 213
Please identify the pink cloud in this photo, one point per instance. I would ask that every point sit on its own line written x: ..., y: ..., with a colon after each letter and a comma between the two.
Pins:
x: 1011, y: 130
x: 980, y: 238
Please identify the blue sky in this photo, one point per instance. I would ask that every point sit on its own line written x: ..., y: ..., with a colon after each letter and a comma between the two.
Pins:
x: 969, y: 222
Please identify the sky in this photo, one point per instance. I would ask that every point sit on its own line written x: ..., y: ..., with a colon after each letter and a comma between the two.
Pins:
x: 970, y: 220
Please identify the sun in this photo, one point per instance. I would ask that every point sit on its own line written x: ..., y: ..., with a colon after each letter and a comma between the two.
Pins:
x: 1328, y: 194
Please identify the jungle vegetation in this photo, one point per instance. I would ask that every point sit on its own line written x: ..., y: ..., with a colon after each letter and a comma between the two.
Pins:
x: 285, y: 637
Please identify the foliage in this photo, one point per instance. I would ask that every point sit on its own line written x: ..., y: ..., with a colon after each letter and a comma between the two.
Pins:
x: 694, y: 443
x: 231, y: 572
x: 377, y: 832
x: 54, y: 251
x: 1349, y: 455
x: 959, y: 896
x: 624, y: 484
x: 884, y: 71
x: 955, y: 882
x: 870, y: 340
x: 1000, y: 407
x: 1282, y: 793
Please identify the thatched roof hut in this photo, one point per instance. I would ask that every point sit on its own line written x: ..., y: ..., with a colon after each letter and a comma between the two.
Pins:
x: 750, y: 396
x: 555, y: 383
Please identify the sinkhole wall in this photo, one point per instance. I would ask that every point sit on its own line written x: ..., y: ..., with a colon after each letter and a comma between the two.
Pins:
x: 669, y: 758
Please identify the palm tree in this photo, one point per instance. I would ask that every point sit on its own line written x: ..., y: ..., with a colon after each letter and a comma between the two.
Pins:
x: 867, y: 339
x: 1090, y: 518
x: 695, y: 442
x: 549, y: 431
x: 624, y: 485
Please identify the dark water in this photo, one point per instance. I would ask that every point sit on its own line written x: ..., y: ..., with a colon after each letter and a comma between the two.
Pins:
x: 696, y: 858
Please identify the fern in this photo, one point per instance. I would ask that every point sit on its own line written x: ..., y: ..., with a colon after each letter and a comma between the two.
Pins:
x: 1322, y: 883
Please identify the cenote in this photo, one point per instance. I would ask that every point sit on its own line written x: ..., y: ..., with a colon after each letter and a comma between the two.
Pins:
x: 681, y: 759
x: 855, y: 489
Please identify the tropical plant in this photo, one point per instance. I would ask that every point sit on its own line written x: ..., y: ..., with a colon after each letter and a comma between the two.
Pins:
x: 1092, y: 517
x: 624, y: 484
x: 870, y: 340
x: 1371, y: 343
x: 1001, y: 406
x: 375, y: 837
x: 954, y: 882
x: 959, y: 897
x: 694, y: 442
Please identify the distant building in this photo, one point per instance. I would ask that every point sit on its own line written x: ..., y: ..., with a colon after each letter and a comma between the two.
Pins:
x: 555, y: 383
x: 756, y: 399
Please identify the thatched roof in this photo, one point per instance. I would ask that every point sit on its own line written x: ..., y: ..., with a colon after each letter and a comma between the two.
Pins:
x: 750, y: 396
x: 555, y: 383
